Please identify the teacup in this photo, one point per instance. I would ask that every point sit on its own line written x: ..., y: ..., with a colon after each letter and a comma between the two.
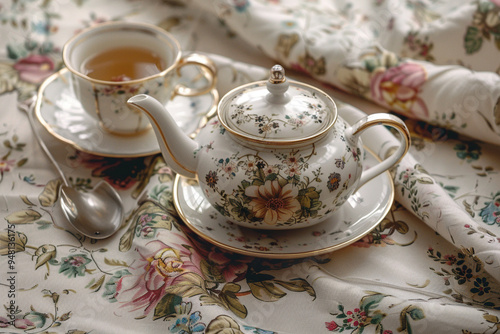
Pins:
x: 111, y: 62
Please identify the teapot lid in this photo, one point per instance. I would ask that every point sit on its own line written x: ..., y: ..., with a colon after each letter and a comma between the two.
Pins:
x: 277, y: 111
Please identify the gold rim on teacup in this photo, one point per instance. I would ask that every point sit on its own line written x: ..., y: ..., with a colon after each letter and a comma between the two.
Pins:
x: 121, y: 26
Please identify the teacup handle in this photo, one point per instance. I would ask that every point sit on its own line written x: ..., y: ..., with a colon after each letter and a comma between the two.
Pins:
x: 352, y: 135
x: 208, y: 70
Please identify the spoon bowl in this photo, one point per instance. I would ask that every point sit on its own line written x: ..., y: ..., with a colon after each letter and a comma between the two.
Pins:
x: 97, y: 213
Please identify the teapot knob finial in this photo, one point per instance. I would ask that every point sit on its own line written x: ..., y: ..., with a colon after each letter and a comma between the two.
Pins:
x: 277, y: 74
x: 278, y: 86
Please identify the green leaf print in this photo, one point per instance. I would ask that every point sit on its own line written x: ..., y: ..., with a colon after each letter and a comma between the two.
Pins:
x: 50, y: 193
x: 371, y: 301
x: 211, y: 272
x: 230, y: 299
x: 266, y: 291
x: 27, y: 216
x: 166, y: 306
x: 297, y: 285
x: 472, y: 40
x: 44, y: 254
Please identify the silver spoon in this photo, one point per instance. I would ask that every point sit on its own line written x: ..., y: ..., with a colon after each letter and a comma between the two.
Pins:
x: 98, y: 214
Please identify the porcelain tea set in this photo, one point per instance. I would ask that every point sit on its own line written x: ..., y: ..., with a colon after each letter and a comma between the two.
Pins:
x: 276, y: 157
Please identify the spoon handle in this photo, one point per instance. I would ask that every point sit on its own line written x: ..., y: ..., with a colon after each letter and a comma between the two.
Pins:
x: 28, y: 107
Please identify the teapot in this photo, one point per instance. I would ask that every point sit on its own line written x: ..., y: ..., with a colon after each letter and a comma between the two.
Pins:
x: 277, y: 156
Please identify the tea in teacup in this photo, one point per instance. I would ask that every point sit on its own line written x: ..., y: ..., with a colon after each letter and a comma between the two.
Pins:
x: 123, y: 64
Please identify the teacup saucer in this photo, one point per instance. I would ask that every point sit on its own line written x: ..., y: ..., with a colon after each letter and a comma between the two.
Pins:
x: 354, y: 219
x: 62, y: 115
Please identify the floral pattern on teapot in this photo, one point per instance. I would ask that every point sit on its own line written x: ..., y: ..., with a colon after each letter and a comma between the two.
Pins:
x: 277, y: 188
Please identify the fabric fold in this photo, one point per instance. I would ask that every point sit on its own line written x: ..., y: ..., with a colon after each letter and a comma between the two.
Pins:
x: 371, y: 49
x: 422, y: 195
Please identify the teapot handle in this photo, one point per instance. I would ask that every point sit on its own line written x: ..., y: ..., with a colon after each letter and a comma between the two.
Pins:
x: 352, y: 136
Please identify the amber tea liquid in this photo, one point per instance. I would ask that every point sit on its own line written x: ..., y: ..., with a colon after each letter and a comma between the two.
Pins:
x: 123, y: 64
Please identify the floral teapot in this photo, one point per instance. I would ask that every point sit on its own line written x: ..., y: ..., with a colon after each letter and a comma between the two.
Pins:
x: 277, y: 157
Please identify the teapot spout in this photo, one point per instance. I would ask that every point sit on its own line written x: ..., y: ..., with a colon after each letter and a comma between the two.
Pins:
x: 177, y: 147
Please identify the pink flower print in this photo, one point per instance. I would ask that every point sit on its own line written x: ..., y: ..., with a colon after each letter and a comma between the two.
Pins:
x: 364, y: 242
x: 356, y: 318
x: 292, y: 163
x: 161, y: 265
x: 145, y: 223
x: 6, y: 165
x: 145, y: 219
x: 230, y: 168
x: 318, y: 233
x: 450, y: 259
x: 293, y: 170
x: 77, y: 261
x: 292, y: 160
x: 35, y: 68
x: 496, y: 2
x: 407, y: 173
x: 268, y: 170
x: 4, y: 322
x: 297, y: 122
x: 23, y: 324
x: 231, y: 270
x: 331, y: 326
x: 233, y: 267
x: 398, y: 88
x: 18, y: 323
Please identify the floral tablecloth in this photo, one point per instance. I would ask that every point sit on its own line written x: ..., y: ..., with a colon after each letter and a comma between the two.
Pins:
x: 432, y: 265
